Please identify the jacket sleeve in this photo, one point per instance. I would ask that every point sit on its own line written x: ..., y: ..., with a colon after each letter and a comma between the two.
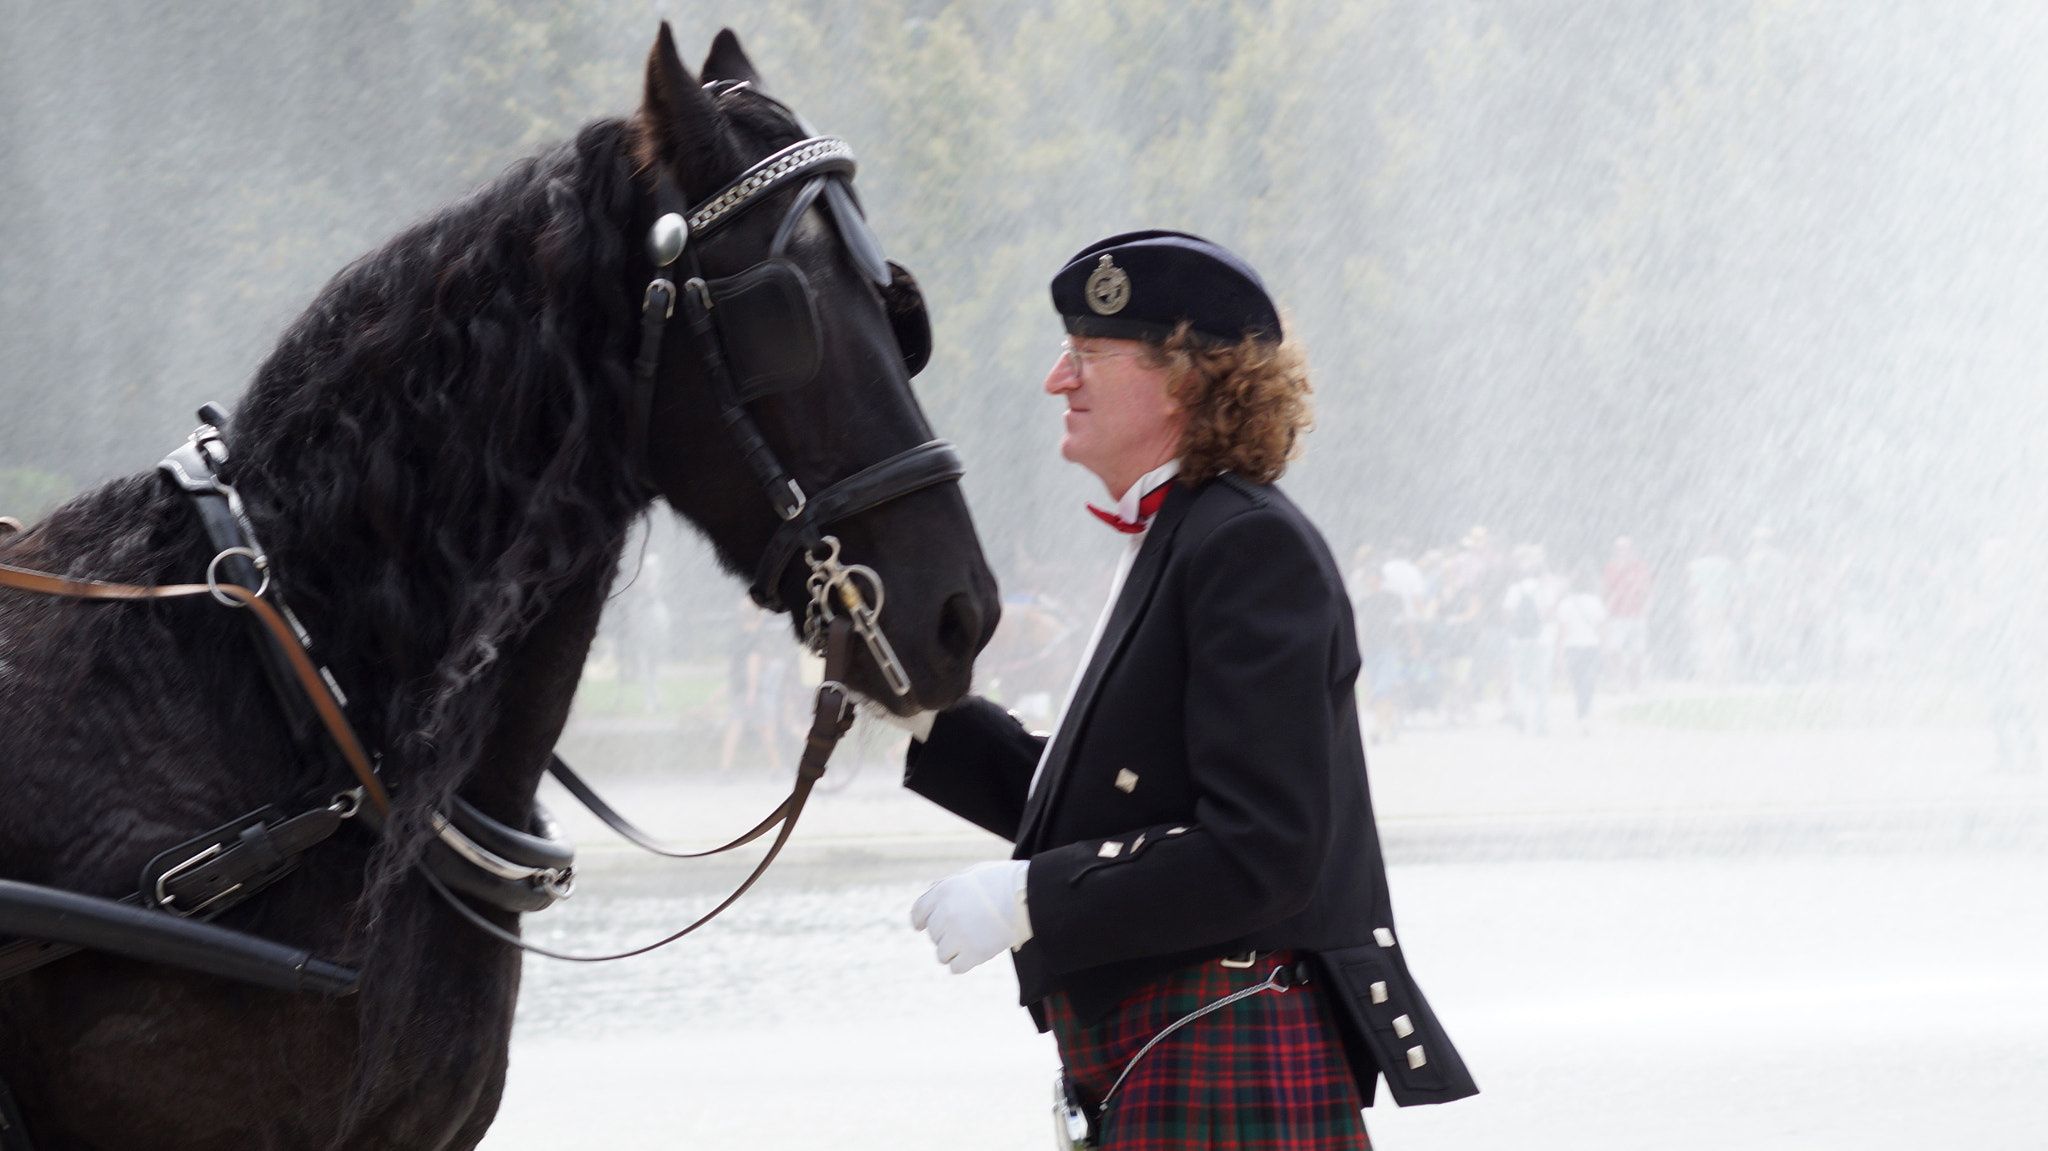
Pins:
x: 1262, y: 617
x: 977, y: 764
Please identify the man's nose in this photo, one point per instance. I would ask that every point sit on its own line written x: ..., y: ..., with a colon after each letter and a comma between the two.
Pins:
x: 1062, y: 378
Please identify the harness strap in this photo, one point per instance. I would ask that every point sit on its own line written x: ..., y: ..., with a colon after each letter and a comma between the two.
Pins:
x: 302, y: 667
x: 204, y: 875
x: 832, y: 714
x: 783, y: 493
x: 626, y: 829
x: 655, y: 308
x: 153, y: 937
x: 930, y: 463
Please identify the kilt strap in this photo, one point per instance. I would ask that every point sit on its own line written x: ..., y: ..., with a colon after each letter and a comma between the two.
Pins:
x: 1282, y: 978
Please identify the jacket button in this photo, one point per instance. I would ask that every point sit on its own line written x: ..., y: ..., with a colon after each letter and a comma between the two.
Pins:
x: 1379, y: 993
x: 1384, y: 936
x: 1110, y: 849
x: 1402, y: 1027
x: 1415, y: 1056
x: 1126, y: 781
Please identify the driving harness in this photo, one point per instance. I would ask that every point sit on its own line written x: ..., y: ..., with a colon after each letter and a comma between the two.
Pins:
x: 757, y: 334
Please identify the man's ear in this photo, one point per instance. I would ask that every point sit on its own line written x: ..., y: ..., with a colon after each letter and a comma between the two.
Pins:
x: 728, y: 61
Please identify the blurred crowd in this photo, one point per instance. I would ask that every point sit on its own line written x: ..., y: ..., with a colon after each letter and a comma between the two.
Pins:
x: 1484, y: 631
x: 1481, y: 631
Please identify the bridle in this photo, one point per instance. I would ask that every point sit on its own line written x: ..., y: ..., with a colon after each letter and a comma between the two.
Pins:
x: 774, y: 295
x: 515, y: 870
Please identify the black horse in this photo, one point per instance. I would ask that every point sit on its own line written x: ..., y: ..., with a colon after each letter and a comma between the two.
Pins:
x: 443, y: 457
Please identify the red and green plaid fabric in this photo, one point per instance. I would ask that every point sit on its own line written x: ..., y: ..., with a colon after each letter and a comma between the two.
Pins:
x: 1267, y: 1073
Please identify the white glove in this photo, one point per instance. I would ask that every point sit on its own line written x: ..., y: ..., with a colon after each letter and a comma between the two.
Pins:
x: 975, y: 915
x: 918, y: 724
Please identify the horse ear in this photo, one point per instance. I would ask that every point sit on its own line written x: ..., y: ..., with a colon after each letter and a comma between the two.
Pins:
x: 678, y: 125
x: 728, y: 61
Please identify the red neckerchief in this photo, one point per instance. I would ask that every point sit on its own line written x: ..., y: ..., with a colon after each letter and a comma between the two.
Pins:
x: 1147, y: 508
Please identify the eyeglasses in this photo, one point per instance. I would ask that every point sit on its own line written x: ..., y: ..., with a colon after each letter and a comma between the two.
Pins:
x: 1080, y: 358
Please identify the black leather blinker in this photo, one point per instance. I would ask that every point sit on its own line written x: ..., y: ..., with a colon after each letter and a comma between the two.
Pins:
x: 907, y: 315
x: 767, y: 318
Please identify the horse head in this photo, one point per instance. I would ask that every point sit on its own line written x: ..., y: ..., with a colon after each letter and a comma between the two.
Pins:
x: 782, y: 325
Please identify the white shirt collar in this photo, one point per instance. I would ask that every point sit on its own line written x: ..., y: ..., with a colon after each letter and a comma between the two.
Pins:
x: 1127, y: 507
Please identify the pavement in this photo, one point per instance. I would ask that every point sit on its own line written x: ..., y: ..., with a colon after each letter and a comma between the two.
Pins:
x: 1641, y: 938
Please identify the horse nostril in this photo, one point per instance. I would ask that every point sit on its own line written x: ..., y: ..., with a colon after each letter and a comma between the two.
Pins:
x: 959, y: 626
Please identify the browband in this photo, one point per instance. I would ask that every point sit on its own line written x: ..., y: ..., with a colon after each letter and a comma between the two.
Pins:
x: 815, y: 156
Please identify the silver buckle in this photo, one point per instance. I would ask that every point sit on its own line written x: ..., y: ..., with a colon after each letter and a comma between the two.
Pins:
x: 168, y: 902
x: 1239, y: 962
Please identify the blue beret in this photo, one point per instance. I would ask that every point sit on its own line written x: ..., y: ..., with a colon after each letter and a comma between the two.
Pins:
x: 1141, y: 285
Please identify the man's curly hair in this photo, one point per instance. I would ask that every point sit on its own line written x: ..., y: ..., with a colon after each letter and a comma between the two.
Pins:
x: 1247, y: 404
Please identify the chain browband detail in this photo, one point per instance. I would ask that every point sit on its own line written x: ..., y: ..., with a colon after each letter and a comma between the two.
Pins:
x: 803, y: 158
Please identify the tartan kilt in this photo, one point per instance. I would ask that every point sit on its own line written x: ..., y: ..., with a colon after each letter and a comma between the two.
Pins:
x: 1267, y: 1073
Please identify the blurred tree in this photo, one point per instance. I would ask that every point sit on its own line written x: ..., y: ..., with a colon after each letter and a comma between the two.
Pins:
x: 1568, y: 270
x: 28, y: 494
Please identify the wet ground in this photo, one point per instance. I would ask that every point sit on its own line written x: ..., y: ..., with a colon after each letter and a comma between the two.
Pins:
x: 1639, y: 939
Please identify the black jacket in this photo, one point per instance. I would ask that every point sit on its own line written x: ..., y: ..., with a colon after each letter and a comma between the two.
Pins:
x: 1207, y: 795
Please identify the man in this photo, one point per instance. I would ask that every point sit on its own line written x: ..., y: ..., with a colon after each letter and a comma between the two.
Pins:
x: 1530, y: 611
x: 1198, y: 827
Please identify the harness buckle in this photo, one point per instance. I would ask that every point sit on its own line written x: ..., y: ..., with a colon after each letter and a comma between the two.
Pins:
x: 1239, y: 962
x: 794, y: 507
x: 699, y: 291
x: 668, y: 297
x: 168, y: 902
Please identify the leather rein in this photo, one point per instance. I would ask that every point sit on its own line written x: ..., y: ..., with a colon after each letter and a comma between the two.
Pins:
x: 844, y: 601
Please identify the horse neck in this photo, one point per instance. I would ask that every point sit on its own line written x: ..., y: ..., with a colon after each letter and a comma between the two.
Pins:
x: 383, y: 646
x: 542, y: 672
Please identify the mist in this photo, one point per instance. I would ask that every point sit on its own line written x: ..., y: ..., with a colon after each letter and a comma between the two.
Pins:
x: 1760, y: 286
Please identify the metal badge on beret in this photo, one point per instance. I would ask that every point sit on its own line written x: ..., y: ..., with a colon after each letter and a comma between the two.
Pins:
x: 1108, y: 288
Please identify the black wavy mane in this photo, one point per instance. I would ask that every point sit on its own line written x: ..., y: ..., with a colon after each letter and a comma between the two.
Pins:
x: 434, y: 454
x: 444, y: 434
x: 441, y: 438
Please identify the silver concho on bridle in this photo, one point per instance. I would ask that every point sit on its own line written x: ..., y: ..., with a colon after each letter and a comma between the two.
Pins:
x: 666, y: 240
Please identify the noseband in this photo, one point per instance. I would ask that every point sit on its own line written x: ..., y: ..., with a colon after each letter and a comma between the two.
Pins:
x: 756, y: 333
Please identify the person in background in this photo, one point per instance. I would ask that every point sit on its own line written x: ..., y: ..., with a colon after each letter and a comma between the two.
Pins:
x: 757, y: 667
x: 1404, y: 577
x: 1711, y: 584
x: 1487, y: 570
x: 1527, y: 610
x: 643, y: 633
x: 1385, y: 636
x: 1196, y: 832
x: 1626, y: 588
x: 1580, y: 615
